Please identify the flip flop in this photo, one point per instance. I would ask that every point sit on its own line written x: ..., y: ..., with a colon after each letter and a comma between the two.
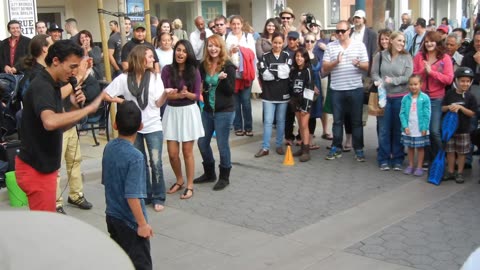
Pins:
x: 249, y: 133
x: 239, y: 132
x: 184, y: 196
x: 178, y: 186
x: 158, y: 207
x: 314, y: 147
x: 327, y: 137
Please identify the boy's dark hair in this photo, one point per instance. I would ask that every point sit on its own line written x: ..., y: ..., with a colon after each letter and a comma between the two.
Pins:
x: 13, y: 22
x: 128, y: 118
x: 63, y: 49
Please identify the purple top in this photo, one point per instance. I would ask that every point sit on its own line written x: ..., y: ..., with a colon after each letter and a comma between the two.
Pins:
x: 167, y: 73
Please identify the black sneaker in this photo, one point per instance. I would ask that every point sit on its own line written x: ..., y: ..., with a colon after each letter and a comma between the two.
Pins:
x: 459, y: 178
x: 81, y: 202
x: 60, y: 210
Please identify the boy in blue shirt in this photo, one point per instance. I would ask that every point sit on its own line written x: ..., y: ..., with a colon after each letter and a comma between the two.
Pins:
x: 123, y: 174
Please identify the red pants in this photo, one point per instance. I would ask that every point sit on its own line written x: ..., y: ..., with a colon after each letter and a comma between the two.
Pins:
x: 40, y: 187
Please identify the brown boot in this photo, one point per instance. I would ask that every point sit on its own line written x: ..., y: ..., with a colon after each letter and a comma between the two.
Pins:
x: 299, y: 152
x: 305, y: 154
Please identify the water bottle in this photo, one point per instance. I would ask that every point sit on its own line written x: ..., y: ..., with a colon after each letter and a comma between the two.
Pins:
x: 382, y: 96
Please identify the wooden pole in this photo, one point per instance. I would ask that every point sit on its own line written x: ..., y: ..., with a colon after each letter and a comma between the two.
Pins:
x: 146, y: 4
x: 106, y: 60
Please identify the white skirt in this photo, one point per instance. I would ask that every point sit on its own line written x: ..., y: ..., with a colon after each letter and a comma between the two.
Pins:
x: 182, y: 124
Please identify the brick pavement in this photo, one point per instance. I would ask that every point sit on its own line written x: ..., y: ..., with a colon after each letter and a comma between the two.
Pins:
x: 321, y: 214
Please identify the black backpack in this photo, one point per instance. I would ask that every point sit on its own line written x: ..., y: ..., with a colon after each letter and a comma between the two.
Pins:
x: 11, y: 103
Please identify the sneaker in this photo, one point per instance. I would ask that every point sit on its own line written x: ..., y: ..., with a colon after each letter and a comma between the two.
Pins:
x: 384, y: 167
x: 418, y: 172
x: 408, y: 170
x: 81, y: 202
x: 425, y: 166
x: 397, y: 167
x: 448, y: 176
x: 60, y: 210
x: 459, y: 178
x: 359, y: 156
x: 334, y: 153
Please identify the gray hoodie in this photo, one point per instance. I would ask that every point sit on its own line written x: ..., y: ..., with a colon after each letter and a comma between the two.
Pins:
x: 399, y: 71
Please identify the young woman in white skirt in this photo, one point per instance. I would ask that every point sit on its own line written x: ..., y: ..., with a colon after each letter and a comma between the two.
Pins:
x: 182, y: 121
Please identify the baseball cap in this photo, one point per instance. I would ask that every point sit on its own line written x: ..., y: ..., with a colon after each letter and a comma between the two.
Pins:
x: 293, y: 34
x: 421, y: 22
x: 139, y: 25
x: 54, y: 27
x: 464, y: 72
x: 443, y: 28
x: 360, y: 13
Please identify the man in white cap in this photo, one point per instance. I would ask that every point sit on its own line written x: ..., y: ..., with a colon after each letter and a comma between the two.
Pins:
x: 360, y: 32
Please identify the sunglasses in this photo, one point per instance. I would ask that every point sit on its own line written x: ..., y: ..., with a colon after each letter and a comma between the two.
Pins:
x: 219, y: 24
x: 291, y: 38
x: 286, y: 18
x: 309, y: 41
x: 341, y: 31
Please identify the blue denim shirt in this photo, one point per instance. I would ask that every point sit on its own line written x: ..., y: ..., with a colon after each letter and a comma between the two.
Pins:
x: 123, y: 174
x: 423, y: 111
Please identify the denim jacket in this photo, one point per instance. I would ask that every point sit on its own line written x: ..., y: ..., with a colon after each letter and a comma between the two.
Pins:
x: 423, y: 111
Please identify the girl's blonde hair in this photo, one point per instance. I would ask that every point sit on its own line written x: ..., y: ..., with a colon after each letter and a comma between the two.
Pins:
x: 177, y: 23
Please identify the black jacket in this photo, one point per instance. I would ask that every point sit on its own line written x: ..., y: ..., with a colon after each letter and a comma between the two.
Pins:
x: 469, y: 61
x: 21, y: 51
x: 224, y: 101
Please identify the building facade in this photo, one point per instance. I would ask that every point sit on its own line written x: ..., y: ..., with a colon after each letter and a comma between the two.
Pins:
x: 328, y: 12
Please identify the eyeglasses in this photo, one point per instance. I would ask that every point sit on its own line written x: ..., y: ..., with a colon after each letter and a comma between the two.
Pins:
x: 291, y: 38
x: 310, y: 41
x: 219, y: 24
x: 341, y: 31
x: 286, y: 18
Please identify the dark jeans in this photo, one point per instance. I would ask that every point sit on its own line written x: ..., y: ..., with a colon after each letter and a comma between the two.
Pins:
x: 136, y: 247
x: 348, y: 102
x: 390, y: 150
x: 243, y: 110
x: 289, y: 121
x: 220, y: 123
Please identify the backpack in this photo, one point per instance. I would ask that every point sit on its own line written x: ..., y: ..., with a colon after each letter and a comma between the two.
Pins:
x: 9, y: 96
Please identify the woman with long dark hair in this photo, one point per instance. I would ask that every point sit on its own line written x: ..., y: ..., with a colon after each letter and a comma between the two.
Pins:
x: 85, y: 40
x: 144, y: 87
x: 264, y: 43
x: 182, y: 120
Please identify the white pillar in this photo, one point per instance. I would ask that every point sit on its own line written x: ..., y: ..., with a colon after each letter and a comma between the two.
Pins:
x: 401, y: 7
x: 260, y: 11
x: 458, y: 13
x: 425, y: 9
x: 3, y: 20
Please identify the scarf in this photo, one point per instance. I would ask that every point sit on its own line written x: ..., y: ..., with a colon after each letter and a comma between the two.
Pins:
x: 138, y: 90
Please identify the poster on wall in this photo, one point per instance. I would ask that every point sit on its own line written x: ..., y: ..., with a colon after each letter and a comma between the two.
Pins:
x: 24, y: 11
x: 334, y: 11
x: 135, y: 10
x: 278, y: 6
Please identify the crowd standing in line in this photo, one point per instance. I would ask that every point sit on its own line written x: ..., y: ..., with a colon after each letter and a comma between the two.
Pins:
x: 424, y: 71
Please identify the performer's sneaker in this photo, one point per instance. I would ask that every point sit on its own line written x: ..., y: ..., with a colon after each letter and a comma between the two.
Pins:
x: 81, y: 202
x: 60, y: 210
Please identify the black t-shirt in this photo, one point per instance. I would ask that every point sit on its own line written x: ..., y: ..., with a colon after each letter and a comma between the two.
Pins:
x: 467, y: 101
x: 131, y: 44
x: 40, y: 148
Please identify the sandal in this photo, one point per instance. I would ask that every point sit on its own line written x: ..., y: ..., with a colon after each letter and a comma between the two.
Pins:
x: 314, y: 147
x: 327, y: 137
x: 185, y: 196
x: 239, y: 132
x: 174, y: 188
x: 347, y: 149
x: 158, y: 207
x: 249, y: 133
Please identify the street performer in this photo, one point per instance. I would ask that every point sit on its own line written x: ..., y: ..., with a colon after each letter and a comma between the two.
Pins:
x: 44, y: 120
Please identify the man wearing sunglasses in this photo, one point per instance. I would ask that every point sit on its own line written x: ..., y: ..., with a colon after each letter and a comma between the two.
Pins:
x: 221, y: 26
x: 288, y: 18
x: 346, y: 60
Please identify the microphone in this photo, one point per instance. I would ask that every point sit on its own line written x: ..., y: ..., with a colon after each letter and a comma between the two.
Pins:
x: 73, y: 81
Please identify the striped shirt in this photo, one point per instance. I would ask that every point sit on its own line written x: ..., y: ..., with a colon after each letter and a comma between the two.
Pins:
x: 345, y: 76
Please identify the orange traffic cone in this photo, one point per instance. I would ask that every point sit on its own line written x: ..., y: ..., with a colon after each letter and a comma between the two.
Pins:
x: 288, y: 161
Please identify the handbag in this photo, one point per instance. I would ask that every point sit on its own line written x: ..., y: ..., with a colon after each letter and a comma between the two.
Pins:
x: 373, y: 108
